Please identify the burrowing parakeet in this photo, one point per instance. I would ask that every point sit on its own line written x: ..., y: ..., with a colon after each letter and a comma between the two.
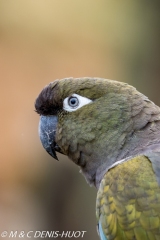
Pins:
x: 112, y: 132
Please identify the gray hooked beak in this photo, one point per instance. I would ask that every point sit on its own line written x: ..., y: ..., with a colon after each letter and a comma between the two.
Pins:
x: 47, y: 133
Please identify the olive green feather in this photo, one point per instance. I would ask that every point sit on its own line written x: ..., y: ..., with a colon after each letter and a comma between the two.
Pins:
x: 128, y: 201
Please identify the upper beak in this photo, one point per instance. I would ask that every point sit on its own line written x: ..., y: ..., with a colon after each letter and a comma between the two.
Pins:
x: 47, y: 133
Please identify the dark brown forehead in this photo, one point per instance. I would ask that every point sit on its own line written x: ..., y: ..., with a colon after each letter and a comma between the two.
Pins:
x: 45, y: 103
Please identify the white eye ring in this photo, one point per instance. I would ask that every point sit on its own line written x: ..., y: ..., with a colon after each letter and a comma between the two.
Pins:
x: 75, y: 102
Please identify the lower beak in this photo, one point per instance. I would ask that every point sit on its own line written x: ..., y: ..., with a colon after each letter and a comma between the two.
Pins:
x: 47, y: 133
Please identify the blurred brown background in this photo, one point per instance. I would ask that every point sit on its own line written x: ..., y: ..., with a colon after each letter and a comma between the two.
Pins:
x: 41, y: 41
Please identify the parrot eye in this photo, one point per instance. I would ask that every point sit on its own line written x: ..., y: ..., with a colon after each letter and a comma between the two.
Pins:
x: 75, y: 102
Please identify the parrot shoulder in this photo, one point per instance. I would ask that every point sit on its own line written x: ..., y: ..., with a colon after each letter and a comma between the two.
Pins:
x: 128, y: 199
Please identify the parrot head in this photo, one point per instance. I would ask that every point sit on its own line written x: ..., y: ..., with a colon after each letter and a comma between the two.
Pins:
x: 91, y: 120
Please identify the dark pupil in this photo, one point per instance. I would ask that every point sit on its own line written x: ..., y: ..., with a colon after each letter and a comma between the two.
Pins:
x: 73, y: 101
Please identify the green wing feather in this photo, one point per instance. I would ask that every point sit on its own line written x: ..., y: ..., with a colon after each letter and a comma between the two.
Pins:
x: 128, y: 201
